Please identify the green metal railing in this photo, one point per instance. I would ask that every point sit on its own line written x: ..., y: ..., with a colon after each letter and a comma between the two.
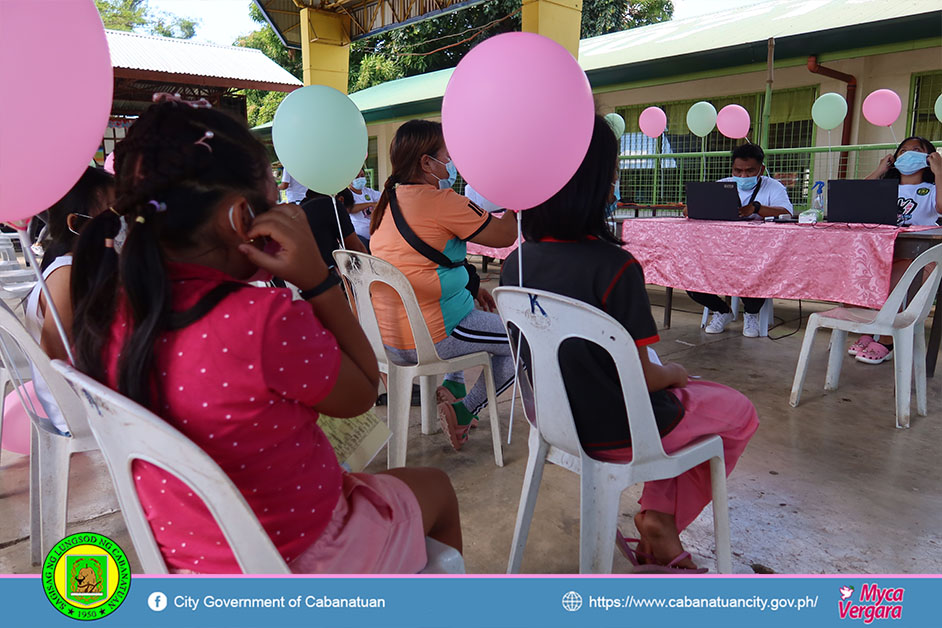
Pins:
x: 659, y: 178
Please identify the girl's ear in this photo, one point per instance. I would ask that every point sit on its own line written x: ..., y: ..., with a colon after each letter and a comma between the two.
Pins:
x: 240, y: 217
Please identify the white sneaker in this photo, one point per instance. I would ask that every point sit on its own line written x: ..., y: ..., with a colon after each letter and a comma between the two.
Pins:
x: 718, y: 323
x: 750, y: 325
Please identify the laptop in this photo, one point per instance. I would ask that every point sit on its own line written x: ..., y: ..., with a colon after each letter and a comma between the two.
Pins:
x: 713, y: 201
x: 867, y: 201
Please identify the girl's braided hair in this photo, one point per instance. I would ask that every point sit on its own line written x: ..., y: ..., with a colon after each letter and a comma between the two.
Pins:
x: 178, y: 162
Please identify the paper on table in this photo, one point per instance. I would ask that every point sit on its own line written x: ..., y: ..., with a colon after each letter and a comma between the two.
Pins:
x: 357, y: 440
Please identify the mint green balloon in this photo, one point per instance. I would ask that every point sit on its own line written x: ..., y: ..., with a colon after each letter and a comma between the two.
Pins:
x: 938, y: 108
x: 320, y: 137
x: 617, y: 123
x: 829, y: 110
x: 701, y: 118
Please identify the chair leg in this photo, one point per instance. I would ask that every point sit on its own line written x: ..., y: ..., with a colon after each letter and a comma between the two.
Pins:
x: 703, y: 319
x: 427, y: 386
x: 398, y: 402
x: 836, y: 349
x: 54, y: 462
x: 598, y: 518
x: 734, y: 306
x: 724, y: 559
x: 766, y: 316
x: 488, y: 373
x: 919, y: 368
x: 35, y: 504
x: 801, y: 370
x: 903, y: 366
x: 531, y: 488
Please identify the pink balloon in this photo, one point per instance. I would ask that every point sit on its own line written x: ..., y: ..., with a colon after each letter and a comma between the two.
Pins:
x: 16, y: 420
x: 733, y: 122
x: 882, y: 107
x: 56, y: 99
x: 652, y: 121
x: 109, y: 163
x: 518, y: 103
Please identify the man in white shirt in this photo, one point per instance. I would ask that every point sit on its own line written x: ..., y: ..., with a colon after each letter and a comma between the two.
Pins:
x: 295, y: 190
x: 761, y: 196
x: 364, y: 200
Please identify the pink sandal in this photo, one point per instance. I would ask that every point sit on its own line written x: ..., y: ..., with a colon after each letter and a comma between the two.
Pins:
x: 875, y: 353
x: 649, y: 564
x: 862, y: 343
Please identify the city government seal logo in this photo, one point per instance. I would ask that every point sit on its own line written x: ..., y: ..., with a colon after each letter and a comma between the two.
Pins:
x: 86, y: 576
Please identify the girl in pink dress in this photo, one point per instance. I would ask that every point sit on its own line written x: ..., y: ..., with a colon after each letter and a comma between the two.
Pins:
x: 242, y: 371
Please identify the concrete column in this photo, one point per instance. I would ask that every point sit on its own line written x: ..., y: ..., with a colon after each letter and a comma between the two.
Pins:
x: 325, y: 48
x: 560, y: 20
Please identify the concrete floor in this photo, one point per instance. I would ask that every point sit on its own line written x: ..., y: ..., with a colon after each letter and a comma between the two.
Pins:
x: 829, y: 487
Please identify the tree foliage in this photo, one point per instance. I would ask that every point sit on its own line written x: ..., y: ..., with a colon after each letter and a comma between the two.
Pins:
x: 442, y: 42
x: 435, y: 44
x: 136, y: 15
x: 261, y: 105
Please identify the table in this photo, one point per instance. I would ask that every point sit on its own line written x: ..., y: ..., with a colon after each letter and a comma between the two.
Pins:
x: 785, y: 261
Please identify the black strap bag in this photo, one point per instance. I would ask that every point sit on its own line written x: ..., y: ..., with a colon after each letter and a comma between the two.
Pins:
x: 427, y: 251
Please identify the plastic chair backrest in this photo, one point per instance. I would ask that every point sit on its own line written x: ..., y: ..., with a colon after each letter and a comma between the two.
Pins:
x: 545, y: 321
x: 127, y: 432
x: 361, y: 271
x: 15, y: 341
x: 918, y: 307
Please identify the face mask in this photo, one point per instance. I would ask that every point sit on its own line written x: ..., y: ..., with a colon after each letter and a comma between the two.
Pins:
x: 359, y: 183
x: 911, y: 162
x: 444, y: 184
x: 746, y: 183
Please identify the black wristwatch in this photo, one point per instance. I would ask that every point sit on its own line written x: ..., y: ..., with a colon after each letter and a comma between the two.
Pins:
x: 757, y: 205
x: 331, y: 281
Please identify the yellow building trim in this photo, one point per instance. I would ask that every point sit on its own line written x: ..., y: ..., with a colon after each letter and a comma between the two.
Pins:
x: 325, y: 49
x: 560, y: 20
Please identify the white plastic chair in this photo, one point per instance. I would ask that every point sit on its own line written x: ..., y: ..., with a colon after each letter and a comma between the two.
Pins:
x: 50, y: 451
x: 360, y: 272
x: 16, y: 284
x: 18, y: 370
x: 908, y: 329
x: 127, y: 432
x: 553, y: 434
x: 766, y: 315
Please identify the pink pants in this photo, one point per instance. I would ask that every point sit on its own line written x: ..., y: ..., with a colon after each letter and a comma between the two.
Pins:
x: 710, y: 409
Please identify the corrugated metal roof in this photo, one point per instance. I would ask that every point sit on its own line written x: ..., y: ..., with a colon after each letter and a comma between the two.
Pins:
x: 741, y: 25
x: 242, y: 67
x: 671, y: 47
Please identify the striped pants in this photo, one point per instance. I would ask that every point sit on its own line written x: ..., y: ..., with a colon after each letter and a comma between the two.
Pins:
x: 478, y: 331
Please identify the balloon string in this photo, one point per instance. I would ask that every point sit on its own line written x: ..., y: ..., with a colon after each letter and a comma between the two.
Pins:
x: 893, y: 133
x: 339, y: 228
x: 829, y: 154
x: 513, y: 394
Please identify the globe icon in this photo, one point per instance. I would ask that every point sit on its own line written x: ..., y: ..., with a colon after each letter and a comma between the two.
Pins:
x: 572, y: 601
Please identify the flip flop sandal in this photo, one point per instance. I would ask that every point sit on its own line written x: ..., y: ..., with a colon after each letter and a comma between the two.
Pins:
x: 457, y: 434
x: 645, y: 563
x: 443, y: 395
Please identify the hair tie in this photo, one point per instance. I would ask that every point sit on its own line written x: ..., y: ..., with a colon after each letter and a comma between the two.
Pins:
x: 109, y: 243
x: 158, y: 206
x: 139, y: 219
x: 208, y: 135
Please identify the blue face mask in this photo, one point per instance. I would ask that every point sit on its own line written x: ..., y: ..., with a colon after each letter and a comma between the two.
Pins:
x: 746, y: 183
x: 444, y: 184
x: 359, y: 183
x: 910, y: 162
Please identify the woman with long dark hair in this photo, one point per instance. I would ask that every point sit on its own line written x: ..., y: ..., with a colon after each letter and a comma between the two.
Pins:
x: 241, y: 371
x: 427, y: 242
x: 571, y: 251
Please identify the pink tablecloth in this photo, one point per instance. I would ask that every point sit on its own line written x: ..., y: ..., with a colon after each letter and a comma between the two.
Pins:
x: 478, y: 249
x: 827, y: 262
